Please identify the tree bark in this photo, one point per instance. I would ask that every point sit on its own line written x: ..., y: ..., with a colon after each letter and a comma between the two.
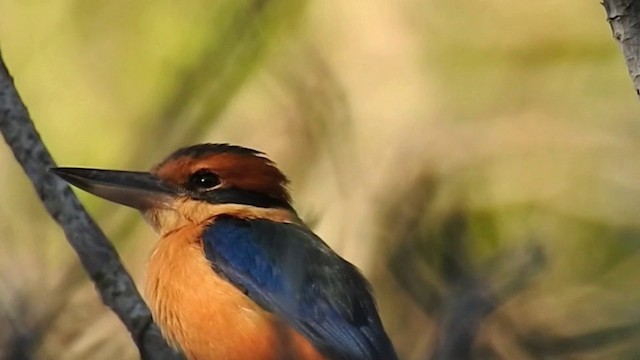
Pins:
x: 97, y: 255
x: 624, y: 19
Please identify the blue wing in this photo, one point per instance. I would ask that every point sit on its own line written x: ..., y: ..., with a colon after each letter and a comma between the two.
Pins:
x: 288, y: 270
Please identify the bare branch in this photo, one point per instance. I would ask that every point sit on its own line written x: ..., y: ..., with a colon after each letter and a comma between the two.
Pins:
x: 624, y: 18
x: 97, y: 255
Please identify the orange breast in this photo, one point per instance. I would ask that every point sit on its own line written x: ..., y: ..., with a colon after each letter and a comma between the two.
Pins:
x: 207, y: 317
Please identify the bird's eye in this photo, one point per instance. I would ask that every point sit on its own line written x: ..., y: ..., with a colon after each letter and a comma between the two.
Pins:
x: 203, y: 180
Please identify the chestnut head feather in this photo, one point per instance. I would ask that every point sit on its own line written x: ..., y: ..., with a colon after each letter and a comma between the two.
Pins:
x: 215, y: 172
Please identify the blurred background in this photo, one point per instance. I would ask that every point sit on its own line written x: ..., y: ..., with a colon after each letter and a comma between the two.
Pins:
x: 478, y: 160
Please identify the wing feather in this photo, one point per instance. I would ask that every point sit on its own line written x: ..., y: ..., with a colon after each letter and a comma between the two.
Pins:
x: 290, y: 271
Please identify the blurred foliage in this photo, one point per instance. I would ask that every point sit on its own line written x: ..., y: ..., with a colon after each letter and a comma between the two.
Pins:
x: 475, y: 159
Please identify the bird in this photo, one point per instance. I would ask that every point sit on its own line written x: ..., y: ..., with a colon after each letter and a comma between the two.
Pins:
x: 236, y: 273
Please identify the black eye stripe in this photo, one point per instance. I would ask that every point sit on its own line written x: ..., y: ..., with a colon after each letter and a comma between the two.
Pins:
x: 203, y: 180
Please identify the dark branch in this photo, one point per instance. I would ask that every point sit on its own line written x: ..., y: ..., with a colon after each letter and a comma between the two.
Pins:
x: 624, y: 18
x: 99, y: 258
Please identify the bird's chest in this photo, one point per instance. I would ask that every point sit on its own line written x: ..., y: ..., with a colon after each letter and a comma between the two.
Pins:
x: 203, y: 314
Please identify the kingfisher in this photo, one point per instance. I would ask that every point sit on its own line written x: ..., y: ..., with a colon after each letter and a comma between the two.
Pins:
x: 236, y: 273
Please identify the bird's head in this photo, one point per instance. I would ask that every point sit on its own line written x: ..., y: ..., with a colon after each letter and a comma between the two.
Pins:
x: 193, y: 185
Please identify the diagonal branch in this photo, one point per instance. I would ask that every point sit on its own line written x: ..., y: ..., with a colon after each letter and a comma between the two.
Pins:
x: 624, y: 18
x: 98, y: 257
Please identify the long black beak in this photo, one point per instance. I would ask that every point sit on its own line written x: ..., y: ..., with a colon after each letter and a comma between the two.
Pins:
x: 140, y: 190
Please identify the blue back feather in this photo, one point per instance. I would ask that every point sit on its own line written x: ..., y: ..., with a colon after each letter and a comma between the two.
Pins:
x: 288, y: 270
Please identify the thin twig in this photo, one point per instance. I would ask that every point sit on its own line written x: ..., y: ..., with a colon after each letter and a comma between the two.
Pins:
x: 624, y: 18
x: 98, y: 257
